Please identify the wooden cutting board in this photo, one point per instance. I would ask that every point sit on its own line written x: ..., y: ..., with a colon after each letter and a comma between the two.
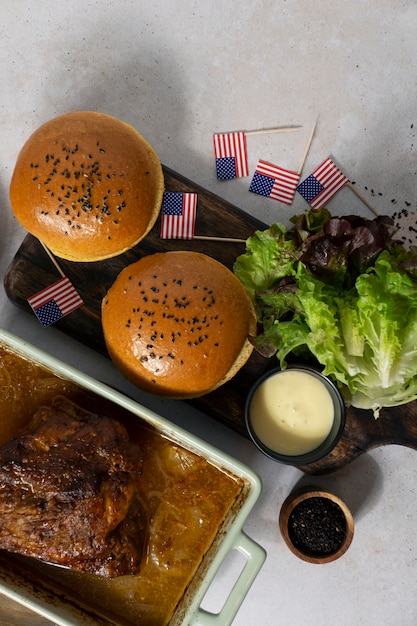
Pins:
x: 31, y: 270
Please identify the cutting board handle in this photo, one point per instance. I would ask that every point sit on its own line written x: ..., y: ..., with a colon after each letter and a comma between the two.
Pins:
x: 255, y: 556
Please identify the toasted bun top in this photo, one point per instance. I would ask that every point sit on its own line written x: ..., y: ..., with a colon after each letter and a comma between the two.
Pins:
x: 177, y: 324
x: 87, y: 185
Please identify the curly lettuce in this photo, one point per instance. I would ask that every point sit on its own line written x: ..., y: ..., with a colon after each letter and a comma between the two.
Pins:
x: 360, y: 326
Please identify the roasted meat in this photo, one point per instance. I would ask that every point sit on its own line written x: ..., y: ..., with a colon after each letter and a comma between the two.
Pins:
x: 69, y: 492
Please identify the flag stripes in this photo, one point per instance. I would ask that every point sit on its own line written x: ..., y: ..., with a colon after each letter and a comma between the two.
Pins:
x: 56, y: 301
x: 178, y: 215
x: 274, y: 182
x: 231, y: 155
x: 322, y: 184
x: 64, y: 294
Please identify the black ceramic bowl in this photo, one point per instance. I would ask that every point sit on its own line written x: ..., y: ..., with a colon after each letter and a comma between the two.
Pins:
x: 323, y: 448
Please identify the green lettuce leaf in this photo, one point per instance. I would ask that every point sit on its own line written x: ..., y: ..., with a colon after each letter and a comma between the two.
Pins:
x: 269, y: 256
x: 364, y: 337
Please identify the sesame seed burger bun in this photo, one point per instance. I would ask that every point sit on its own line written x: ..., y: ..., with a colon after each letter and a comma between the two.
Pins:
x: 87, y: 185
x: 177, y: 324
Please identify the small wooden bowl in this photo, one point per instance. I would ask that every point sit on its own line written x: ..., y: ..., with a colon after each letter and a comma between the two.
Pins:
x: 327, y: 519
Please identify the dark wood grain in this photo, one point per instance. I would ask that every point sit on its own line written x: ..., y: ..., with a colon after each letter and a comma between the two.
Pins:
x: 32, y: 270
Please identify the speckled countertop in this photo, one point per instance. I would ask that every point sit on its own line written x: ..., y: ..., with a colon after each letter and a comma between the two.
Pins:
x: 180, y: 71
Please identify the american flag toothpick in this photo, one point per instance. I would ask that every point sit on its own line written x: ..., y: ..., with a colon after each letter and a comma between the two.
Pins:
x: 57, y: 300
x: 278, y: 183
x: 231, y: 154
x: 178, y: 215
x: 274, y: 182
x: 322, y: 184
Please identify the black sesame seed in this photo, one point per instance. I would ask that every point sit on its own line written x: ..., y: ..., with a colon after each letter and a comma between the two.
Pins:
x: 317, y: 526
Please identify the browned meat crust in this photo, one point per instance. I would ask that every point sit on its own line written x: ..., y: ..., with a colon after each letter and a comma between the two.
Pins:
x: 69, y: 493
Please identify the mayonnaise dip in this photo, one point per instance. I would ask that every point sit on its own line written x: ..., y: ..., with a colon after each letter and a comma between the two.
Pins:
x: 291, y: 412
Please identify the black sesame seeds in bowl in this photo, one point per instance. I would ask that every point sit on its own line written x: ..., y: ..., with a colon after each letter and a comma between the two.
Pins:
x: 316, y: 525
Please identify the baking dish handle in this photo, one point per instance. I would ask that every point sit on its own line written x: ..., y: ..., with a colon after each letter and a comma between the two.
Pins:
x: 255, y: 556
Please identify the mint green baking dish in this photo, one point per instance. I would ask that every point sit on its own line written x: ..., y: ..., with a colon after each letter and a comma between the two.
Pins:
x: 61, y: 610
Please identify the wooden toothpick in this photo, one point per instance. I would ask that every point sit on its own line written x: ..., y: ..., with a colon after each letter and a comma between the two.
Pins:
x: 310, y: 139
x: 53, y: 259
x: 360, y: 196
x: 224, y: 239
x: 278, y: 129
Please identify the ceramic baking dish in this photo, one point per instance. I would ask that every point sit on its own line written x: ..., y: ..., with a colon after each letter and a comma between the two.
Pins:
x: 61, y: 610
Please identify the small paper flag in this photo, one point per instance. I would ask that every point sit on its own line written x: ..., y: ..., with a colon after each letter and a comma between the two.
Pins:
x: 274, y: 182
x: 322, y: 184
x: 55, y: 301
x: 231, y: 155
x: 178, y: 215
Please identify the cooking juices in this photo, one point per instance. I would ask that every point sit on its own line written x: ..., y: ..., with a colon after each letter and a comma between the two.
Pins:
x: 189, y: 501
x: 292, y: 412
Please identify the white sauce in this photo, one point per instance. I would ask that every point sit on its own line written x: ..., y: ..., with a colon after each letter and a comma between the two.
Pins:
x: 291, y: 412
